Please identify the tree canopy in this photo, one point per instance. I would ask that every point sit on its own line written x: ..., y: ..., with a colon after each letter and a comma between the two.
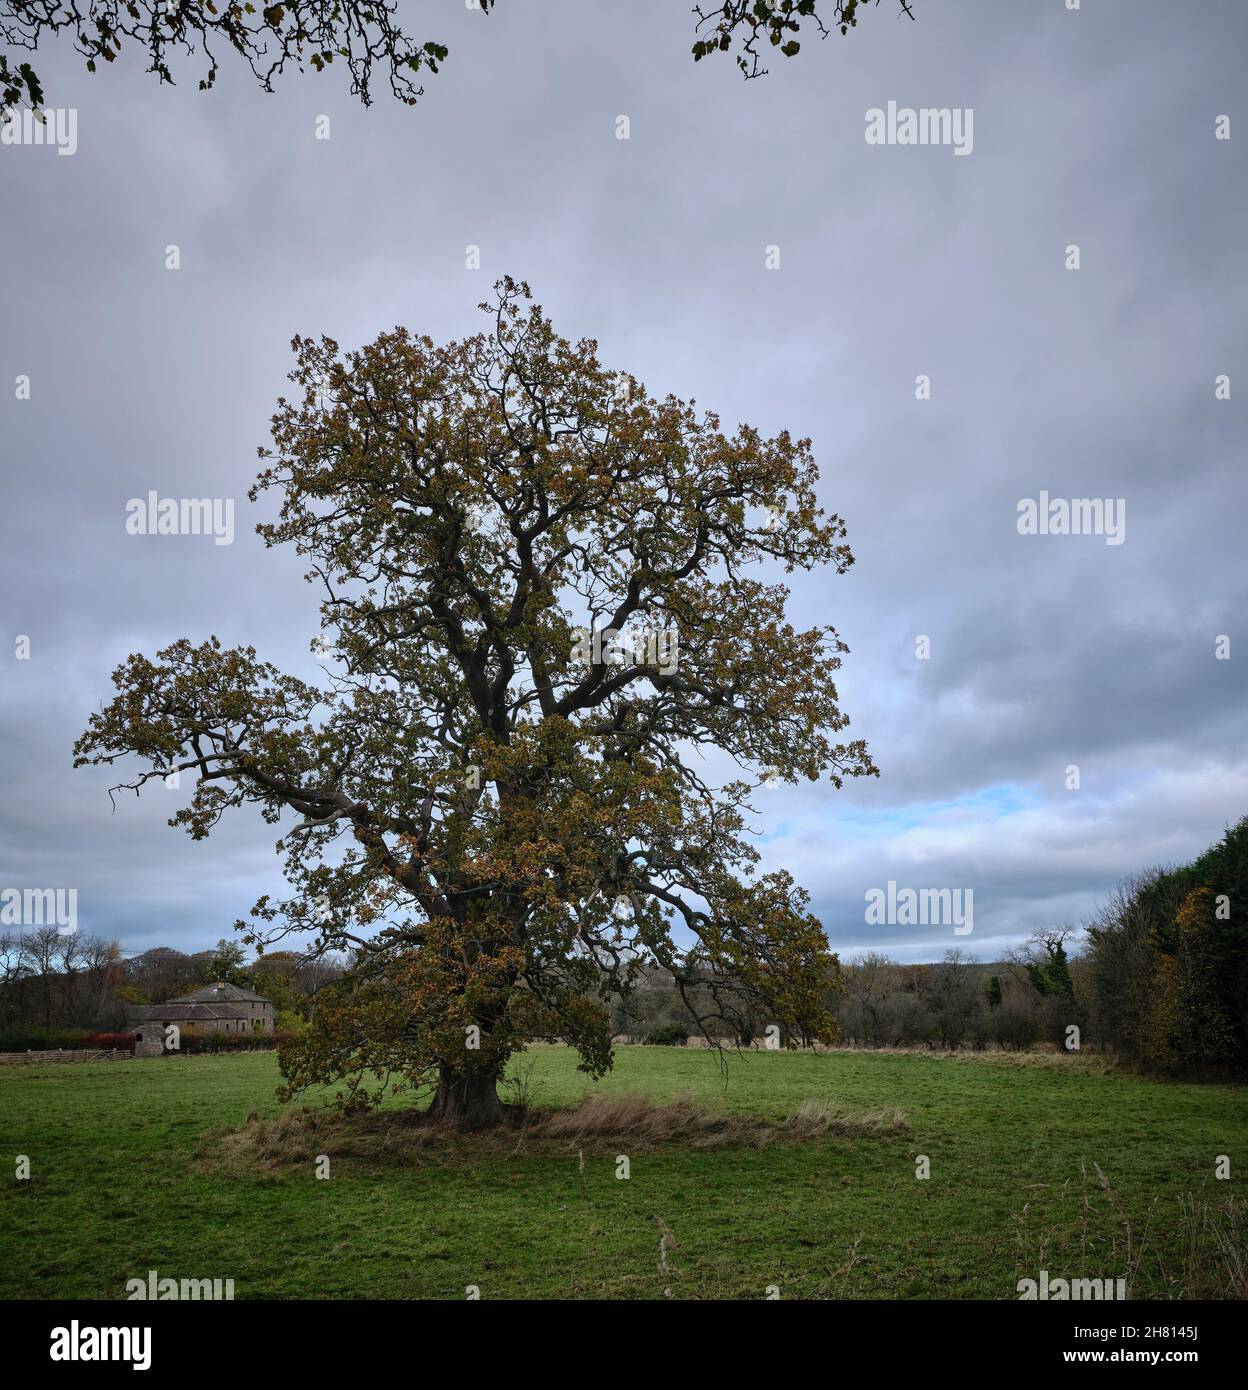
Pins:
x: 751, y: 28
x: 360, y: 35
x: 542, y: 634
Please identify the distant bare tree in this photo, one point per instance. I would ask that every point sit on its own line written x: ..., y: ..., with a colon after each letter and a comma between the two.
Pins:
x: 870, y: 979
x: 954, y: 997
x: 159, y: 974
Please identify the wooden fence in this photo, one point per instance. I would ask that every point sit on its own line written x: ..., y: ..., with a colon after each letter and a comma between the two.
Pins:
x: 12, y: 1059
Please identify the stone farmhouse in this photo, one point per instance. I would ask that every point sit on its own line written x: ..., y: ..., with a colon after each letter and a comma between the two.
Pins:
x: 217, y: 1008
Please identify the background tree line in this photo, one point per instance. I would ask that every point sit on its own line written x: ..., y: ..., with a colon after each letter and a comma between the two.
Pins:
x: 58, y: 991
x: 1160, y: 976
x: 1169, y: 962
x: 1029, y: 998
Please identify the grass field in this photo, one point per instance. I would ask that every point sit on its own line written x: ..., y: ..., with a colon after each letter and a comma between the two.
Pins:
x: 120, y: 1185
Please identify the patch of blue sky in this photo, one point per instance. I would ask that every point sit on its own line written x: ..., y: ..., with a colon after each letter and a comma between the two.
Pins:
x: 881, y: 822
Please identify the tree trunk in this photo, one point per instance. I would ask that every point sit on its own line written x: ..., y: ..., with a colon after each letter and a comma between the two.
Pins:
x: 468, y: 1099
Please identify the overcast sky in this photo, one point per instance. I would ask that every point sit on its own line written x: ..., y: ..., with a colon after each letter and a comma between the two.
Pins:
x: 1093, y: 128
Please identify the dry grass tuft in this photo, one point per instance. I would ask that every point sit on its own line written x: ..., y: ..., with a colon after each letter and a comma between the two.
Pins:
x: 1215, y: 1248
x: 1211, y: 1261
x: 637, y: 1119
x: 814, y: 1119
x: 1089, y: 1059
x: 602, y: 1123
x: 1089, y: 1063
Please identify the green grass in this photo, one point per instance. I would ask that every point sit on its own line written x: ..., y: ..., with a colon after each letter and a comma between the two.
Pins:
x: 115, y: 1189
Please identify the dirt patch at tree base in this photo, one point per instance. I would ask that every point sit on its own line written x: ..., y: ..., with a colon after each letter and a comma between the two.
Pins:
x: 597, y: 1125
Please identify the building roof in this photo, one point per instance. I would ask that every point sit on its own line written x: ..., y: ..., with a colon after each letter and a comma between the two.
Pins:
x: 185, y: 1013
x: 221, y: 993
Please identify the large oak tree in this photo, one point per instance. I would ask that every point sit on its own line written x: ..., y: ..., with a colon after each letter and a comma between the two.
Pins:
x: 505, y: 819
